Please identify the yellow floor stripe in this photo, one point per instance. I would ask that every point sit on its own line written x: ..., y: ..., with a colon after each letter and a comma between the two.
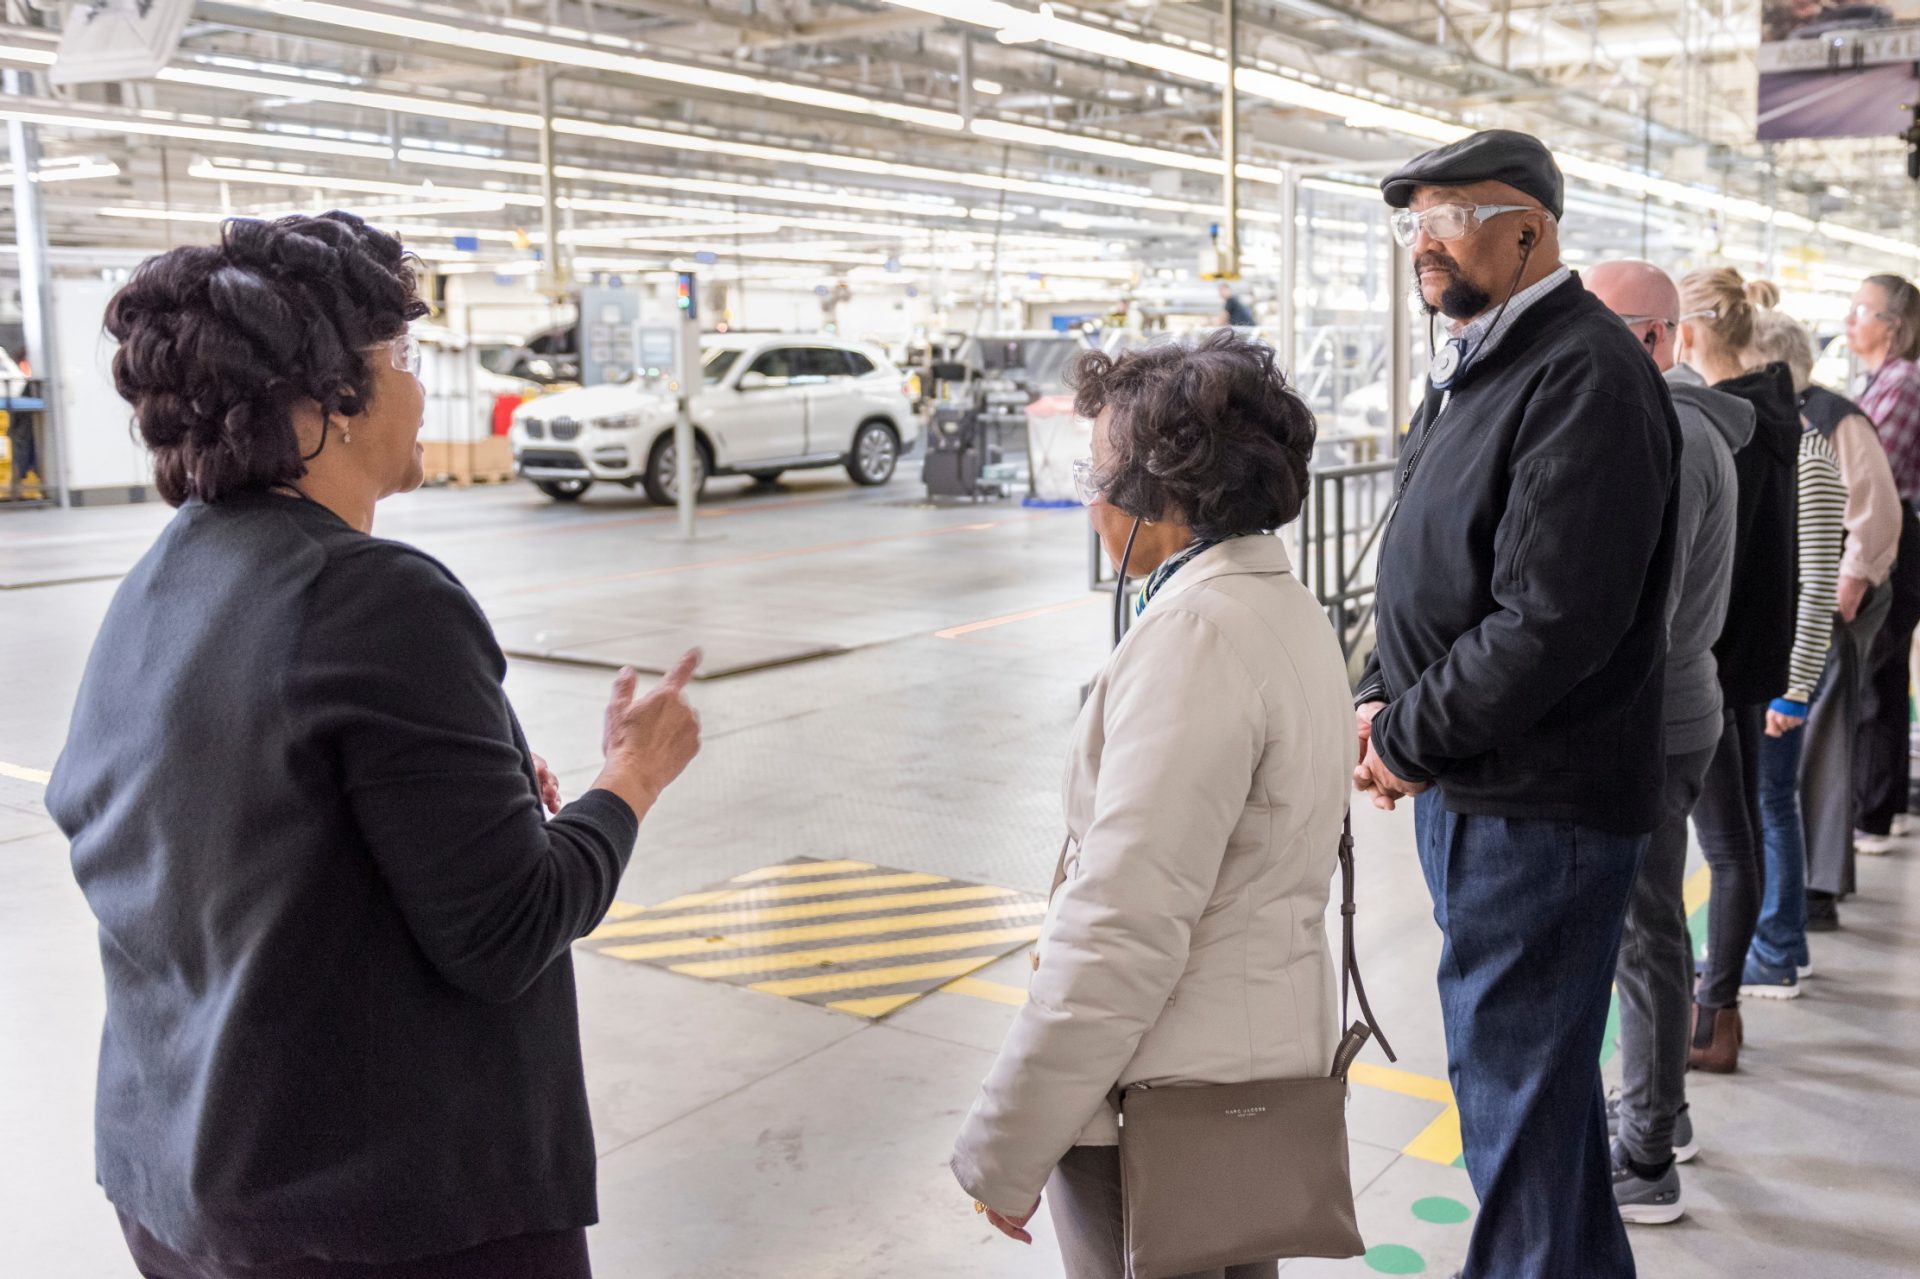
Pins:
x: 868, y: 977
x: 19, y: 774
x: 997, y: 992
x: 1404, y: 1082
x: 909, y: 922
x: 809, y: 910
x: 1439, y: 1142
x: 794, y: 870
x: 875, y: 1006
x: 751, y: 895
x: 624, y: 910
x: 857, y: 954
x: 1695, y: 891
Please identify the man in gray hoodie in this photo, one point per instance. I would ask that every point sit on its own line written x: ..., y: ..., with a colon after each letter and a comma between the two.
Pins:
x: 1655, y: 972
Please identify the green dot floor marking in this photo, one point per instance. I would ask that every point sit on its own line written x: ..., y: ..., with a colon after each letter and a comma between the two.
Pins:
x: 1441, y: 1211
x: 1395, y: 1259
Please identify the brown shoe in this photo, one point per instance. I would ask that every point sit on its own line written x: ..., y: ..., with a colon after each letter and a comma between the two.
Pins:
x: 1716, y: 1040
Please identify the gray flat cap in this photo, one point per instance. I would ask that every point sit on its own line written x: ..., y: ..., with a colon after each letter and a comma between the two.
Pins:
x: 1520, y: 160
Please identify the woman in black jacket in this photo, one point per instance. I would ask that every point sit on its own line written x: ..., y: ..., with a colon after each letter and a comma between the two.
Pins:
x: 1716, y: 327
x: 341, y: 1035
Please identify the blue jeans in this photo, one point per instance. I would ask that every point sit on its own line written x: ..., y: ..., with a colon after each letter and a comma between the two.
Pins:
x: 1531, y: 912
x: 1780, y: 938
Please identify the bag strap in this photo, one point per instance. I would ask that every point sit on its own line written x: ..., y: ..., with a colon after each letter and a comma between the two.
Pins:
x: 1357, y: 1031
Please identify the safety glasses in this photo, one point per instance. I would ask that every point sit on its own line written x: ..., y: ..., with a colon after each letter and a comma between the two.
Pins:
x: 1861, y: 313
x: 1085, y: 487
x: 403, y: 352
x: 1447, y: 221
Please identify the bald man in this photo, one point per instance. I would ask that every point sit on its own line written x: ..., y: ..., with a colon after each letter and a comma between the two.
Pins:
x: 1654, y: 974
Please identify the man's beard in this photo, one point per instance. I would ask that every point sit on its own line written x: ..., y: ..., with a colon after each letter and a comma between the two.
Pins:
x: 1462, y: 299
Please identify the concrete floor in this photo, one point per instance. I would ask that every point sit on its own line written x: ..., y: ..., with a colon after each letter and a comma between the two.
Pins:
x: 742, y: 1134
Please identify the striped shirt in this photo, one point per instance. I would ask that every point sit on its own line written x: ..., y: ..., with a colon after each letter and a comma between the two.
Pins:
x: 1892, y: 400
x: 1822, y: 535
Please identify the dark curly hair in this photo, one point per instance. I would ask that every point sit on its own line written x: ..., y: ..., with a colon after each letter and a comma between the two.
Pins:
x: 1208, y: 431
x: 219, y: 342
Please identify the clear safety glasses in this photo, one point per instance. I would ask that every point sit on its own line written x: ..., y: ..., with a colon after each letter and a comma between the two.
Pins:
x: 1447, y: 221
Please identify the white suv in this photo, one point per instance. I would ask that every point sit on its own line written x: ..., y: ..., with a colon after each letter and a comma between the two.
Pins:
x: 768, y: 404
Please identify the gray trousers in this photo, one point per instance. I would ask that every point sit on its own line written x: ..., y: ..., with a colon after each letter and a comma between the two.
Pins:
x: 1654, y: 975
x: 1083, y: 1196
x: 1826, y: 760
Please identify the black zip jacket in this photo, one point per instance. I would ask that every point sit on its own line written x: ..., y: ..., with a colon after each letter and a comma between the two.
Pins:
x: 1521, y: 615
x: 1757, y: 640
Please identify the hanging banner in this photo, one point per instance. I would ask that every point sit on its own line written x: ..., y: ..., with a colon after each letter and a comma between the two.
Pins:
x: 1833, y: 69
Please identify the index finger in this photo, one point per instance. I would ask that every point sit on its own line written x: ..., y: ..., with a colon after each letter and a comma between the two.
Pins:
x: 676, y: 679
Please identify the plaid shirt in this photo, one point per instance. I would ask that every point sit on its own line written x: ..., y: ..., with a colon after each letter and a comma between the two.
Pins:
x: 1892, y: 400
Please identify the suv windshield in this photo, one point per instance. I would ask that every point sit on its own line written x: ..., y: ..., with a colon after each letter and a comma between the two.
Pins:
x: 717, y: 362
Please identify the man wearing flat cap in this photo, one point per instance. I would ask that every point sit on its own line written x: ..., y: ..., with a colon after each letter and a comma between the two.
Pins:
x: 1517, y: 684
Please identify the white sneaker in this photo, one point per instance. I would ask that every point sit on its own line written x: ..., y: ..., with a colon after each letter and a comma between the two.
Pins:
x: 1872, y: 845
x: 1906, y: 825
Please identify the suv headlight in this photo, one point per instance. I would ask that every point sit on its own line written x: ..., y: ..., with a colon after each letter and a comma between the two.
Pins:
x: 621, y: 422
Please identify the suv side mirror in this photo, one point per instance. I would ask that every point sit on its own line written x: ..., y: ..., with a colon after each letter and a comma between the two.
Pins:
x: 753, y: 382
x: 950, y: 372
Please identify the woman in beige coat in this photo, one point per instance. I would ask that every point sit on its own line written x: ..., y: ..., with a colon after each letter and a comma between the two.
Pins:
x: 1185, y: 942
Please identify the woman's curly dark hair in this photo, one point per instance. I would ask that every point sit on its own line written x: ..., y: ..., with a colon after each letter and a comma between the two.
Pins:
x: 219, y: 342
x: 1207, y: 431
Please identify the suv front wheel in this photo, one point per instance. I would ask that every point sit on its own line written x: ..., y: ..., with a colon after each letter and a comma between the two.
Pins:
x: 876, y: 453
x: 662, y: 481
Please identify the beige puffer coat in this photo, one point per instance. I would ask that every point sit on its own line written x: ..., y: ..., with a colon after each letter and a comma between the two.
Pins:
x: 1204, y: 796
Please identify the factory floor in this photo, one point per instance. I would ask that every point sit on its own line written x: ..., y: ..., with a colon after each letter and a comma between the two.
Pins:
x: 896, y: 683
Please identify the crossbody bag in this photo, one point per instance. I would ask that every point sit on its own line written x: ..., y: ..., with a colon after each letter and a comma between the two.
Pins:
x: 1230, y: 1174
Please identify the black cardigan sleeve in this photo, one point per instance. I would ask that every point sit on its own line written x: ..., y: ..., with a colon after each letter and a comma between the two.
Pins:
x: 400, y: 678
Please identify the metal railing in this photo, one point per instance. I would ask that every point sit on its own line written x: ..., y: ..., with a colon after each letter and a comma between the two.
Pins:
x: 1338, y: 542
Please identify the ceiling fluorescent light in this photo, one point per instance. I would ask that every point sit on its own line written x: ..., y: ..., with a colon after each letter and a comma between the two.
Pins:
x: 91, y: 121
x: 28, y: 54
x: 67, y: 169
x: 438, y: 108
x: 235, y: 171
x: 992, y: 88
x: 570, y: 47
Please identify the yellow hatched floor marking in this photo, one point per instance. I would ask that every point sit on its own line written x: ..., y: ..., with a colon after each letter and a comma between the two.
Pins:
x: 753, y: 895
x: 867, y: 977
x: 874, y: 1006
x: 857, y: 954
x: 779, y: 914
x: 624, y: 910
x: 38, y: 777
x: 909, y: 922
x: 996, y: 991
x: 796, y: 870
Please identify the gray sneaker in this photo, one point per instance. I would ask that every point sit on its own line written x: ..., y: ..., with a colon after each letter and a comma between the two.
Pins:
x: 1684, y: 1146
x: 1643, y: 1202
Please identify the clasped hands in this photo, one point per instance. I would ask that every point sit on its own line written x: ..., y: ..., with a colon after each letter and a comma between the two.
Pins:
x: 1372, y: 776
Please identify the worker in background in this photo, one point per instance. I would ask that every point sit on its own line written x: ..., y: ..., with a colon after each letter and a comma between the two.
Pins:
x: 1883, y: 332
x: 1517, y: 686
x: 1824, y: 788
x: 1649, y: 1121
x: 1233, y: 311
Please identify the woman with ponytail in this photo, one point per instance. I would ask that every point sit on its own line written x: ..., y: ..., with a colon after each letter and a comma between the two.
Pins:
x: 1716, y: 328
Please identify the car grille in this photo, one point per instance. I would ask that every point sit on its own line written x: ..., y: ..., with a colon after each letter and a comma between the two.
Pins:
x: 560, y: 458
x: 536, y: 429
x: 565, y: 428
